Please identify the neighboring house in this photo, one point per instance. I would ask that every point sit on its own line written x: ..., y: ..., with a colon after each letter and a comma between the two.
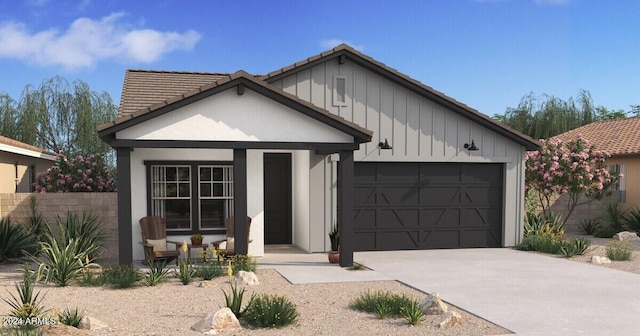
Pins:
x: 336, y: 138
x: 620, y: 138
x: 19, y: 163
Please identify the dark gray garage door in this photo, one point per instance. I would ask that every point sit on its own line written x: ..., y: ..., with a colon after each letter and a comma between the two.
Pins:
x: 414, y: 206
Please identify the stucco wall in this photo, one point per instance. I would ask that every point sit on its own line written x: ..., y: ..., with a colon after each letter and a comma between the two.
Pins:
x: 17, y: 207
x: 8, y: 163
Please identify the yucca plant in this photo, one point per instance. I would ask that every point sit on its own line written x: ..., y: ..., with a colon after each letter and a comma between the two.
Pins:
x: 15, y: 240
x: 590, y: 226
x: 62, y: 263
x: 234, y: 299
x: 36, y: 224
x: 87, y: 230
x: 614, y: 217
x: 412, y: 313
x: 27, y: 304
x: 71, y: 317
x: 157, y: 274
x: 185, y: 272
x: 633, y: 220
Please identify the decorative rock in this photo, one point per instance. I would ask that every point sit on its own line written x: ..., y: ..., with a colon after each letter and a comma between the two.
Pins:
x: 207, y: 284
x: 90, y: 323
x: 220, y: 321
x: 246, y: 279
x: 626, y: 235
x: 433, y: 305
x: 598, y: 260
x: 448, y: 319
x: 62, y: 330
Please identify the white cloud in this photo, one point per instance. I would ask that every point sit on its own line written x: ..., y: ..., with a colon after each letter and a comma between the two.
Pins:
x: 88, y: 41
x: 332, y: 43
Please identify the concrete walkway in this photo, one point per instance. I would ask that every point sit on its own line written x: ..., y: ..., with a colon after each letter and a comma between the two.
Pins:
x: 527, y: 293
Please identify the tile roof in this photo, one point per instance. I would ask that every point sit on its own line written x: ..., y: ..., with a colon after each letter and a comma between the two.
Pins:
x: 11, y: 143
x: 616, y: 137
x: 143, y: 88
x: 520, y: 137
x: 224, y: 79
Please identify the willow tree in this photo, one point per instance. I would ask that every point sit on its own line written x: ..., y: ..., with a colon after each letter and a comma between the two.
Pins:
x: 62, y: 116
x: 8, y: 116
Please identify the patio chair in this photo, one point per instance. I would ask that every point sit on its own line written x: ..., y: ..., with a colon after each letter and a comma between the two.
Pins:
x: 154, y: 240
x: 225, y: 248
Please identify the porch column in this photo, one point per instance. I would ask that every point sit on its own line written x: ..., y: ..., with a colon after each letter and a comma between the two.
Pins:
x: 123, y: 164
x: 345, y: 207
x: 240, y: 200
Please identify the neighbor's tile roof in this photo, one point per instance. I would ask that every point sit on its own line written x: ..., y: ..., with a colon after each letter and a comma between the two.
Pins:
x: 616, y: 137
x: 144, y: 88
x: 17, y: 144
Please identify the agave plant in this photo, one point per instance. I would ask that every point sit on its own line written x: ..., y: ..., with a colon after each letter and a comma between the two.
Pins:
x: 15, y: 240
x: 87, y: 231
x: 62, y: 263
x: 614, y: 216
x: 26, y: 304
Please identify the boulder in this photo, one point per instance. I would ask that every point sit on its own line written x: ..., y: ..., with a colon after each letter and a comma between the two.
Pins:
x: 61, y: 330
x: 207, y: 284
x: 626, y: 235
x: 433, y: 305
x: 90, y: 323
x: 598, y: 260
x: 244, y: 278
x: 215, y: 322
x: 448, y: 319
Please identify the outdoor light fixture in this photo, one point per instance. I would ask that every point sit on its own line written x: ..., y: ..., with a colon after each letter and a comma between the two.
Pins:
x: 471, y: 147
x: 385, y: 144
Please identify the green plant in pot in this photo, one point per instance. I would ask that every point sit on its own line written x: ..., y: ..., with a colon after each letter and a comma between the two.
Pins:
x: 334, y: 236
x: 196, y: 239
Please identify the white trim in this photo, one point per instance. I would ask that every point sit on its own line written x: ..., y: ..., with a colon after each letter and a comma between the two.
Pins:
x: 26, y: 152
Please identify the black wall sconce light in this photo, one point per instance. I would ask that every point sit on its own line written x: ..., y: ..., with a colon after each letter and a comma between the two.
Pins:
x: 385, y: 144
x: 471, y: 147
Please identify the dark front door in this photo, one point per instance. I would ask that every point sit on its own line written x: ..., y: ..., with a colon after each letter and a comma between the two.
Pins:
x: 277, y: 198
x: 415, y: 206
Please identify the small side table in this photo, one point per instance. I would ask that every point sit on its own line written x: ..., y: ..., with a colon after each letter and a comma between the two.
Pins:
x: 203, y: 246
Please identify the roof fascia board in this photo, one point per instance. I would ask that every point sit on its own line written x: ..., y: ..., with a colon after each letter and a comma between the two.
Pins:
x: 26, y: 152
x: 318, y: 146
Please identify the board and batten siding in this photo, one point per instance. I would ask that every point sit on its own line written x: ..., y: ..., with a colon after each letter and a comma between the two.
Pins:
x: 418, y: 129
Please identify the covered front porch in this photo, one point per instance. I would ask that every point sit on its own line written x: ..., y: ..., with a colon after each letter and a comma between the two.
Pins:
x: 258, y: 132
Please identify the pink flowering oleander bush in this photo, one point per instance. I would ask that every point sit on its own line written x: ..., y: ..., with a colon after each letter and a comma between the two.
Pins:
x: 79, y: 174
x: 575, y: 168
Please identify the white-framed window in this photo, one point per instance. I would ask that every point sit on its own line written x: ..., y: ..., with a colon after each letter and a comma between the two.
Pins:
x: 192, y: 197
x: 340, y: 91
x: 620, y: 190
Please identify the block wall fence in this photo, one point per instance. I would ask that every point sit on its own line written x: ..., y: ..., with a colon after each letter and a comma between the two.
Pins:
x: 17, y: 207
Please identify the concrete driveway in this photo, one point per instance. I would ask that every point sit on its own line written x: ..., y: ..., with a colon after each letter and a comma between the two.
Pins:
x: 527, y: 293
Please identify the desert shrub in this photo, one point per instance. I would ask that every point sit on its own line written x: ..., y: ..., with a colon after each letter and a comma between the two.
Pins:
x: 589, y: 226
x: 121, y: 276
x: 157, y: 274
x: 15, y: 240
x: 545, y: 244
x: 242, y: 262
x: 605, y: 232
x: 27, y: 304
x: 372, y: 302
x: 614, y: 217
x: 79, y: 174
x: 185, y: 272
x: 270, y: 311
x: 71, y: 317
x: 208, y: 269
x: 90, y: 278
x: 61, y: 263
x: 87, y: 230
x: 619, y: 250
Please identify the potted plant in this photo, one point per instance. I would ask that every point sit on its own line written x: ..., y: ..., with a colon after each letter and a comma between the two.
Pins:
x: 196, y: 239
x: 334, y: 236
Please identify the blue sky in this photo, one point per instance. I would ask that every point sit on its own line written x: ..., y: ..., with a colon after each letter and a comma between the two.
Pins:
x: 487, y: 54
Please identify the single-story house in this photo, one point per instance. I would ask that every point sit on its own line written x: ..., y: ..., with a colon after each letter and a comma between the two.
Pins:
x: 337, y: 138
x: 19, y: 163
x: 620, y: 138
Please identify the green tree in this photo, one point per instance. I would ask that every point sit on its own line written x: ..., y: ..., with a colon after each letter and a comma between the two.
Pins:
x: 542, y: 117
x: 59, y: 116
